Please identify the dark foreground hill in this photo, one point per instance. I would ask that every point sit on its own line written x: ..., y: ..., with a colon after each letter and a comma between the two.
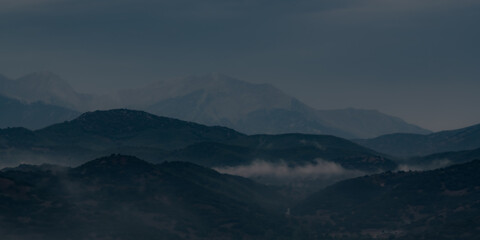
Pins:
x: 121, y: 197
x: 408, y: 145
x: 438, y: 204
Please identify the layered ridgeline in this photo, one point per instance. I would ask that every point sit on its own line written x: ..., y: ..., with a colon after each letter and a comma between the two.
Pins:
x: 438, y: 204
x: 121, y: 197
x: 287, y: 157
x: 213, y: 99
x: 408, y: 145
x: 100, y: 133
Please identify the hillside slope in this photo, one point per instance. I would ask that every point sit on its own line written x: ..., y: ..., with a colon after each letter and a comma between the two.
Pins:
x: 122, y: 197
x: 159, y: 139
x: 438, y: 204
x: 408, y: 145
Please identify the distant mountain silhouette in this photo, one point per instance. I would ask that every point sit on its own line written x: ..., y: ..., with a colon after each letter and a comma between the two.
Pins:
x: 439, y: 204
x: 407, y: 145
x: 35, y: 115
x: 158, y: 139
x: 122, y: 197
x: 216, y: 99
x: 367, y: 123
x: 213, y: 99
x: 44, y: 87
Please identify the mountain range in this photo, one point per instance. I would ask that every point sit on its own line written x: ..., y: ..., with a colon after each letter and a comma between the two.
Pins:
x: 211, y: 99
x: 288, y: 174
x: 409, y: 145
x: 159, y: 139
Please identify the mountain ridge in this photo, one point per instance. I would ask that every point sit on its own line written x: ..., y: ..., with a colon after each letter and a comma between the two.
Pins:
x: 212, y: 99
x: 44, y: 87
x: 409, y: 145
x: 159, y: 139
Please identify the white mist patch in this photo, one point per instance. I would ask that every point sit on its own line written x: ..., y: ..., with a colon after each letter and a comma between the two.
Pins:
x: 440, y: 163
x: 320, y: 169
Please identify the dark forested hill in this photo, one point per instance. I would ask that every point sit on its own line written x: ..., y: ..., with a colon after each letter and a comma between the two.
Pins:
x: 100, y: 133
x: 295, y: 149
x: 124, y: 127
x: 122, y: 197
x: 407, y: 145
x: 438, y: 204
x: 439, y: 160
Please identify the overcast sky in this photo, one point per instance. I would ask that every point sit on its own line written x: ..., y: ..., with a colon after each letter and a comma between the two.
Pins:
x: 416, y: 59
